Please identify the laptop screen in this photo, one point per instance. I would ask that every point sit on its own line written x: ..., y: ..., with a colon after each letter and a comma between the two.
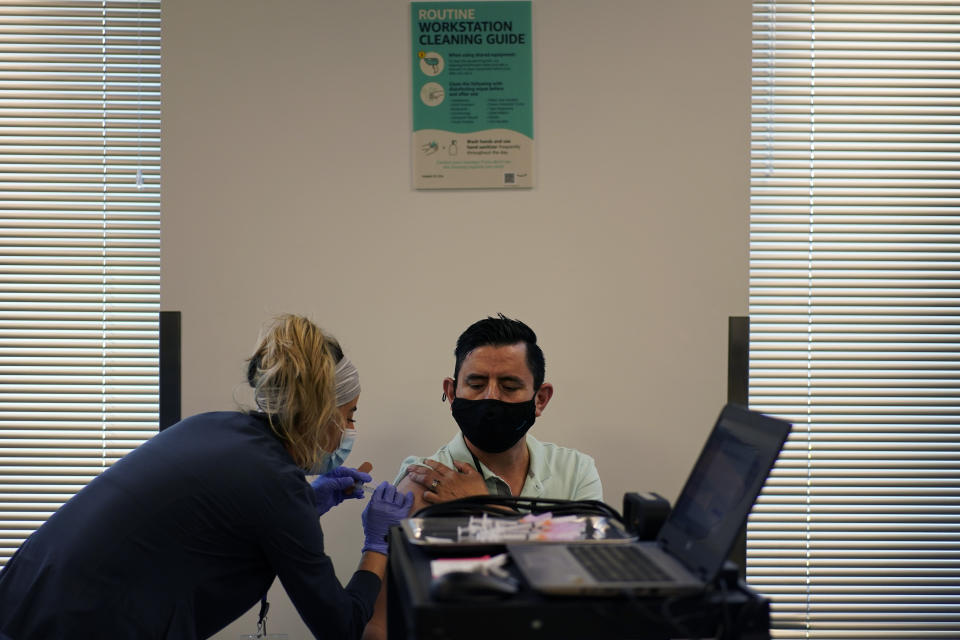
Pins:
x: 722, y: 488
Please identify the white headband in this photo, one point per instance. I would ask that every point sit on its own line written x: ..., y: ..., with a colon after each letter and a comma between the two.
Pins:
x: 347, y: 380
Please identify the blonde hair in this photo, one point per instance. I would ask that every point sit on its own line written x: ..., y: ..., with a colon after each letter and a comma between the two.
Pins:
x: 291, y: 372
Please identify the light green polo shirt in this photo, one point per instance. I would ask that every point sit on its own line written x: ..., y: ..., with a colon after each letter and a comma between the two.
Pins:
x: 555, y: 472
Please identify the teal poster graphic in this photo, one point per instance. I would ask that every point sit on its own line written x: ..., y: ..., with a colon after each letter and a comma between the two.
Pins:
x: 472, y: 95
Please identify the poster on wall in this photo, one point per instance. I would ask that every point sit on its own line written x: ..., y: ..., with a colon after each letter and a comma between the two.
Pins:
x: 472, y: 95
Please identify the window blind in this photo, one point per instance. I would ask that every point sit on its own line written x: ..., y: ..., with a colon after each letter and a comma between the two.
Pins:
x: 79, y: 247
x: 855, y: 315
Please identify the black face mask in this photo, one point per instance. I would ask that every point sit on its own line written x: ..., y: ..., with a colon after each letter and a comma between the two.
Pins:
x: 494, y: 425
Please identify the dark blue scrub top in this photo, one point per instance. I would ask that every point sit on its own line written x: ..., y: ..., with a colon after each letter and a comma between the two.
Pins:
x: 179, y: 538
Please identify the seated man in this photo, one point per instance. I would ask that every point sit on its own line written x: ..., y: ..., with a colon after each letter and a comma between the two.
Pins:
x: 496, y: 393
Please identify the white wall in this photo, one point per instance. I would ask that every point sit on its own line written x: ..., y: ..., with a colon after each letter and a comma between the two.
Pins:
x: 286, y: 187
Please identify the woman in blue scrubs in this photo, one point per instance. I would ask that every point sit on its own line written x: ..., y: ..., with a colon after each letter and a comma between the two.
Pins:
x: 187, y: 532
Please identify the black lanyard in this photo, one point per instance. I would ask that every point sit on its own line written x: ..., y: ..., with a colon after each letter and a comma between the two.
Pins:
x: 262, y: 622
x: 476, y: 463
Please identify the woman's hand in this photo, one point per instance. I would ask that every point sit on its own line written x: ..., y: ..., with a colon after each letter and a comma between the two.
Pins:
x: 334, y: 487
x: 387, y: 507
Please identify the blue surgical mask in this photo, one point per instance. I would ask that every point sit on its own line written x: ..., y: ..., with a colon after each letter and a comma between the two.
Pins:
x: 330, y: 461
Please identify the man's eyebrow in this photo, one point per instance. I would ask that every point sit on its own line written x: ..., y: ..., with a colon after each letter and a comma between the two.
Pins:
x: 474, y: 377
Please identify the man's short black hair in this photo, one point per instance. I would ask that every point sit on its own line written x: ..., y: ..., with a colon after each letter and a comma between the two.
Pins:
x: 501, y: 332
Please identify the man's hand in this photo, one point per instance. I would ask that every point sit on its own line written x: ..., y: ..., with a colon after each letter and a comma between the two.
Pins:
x: 440, y: 483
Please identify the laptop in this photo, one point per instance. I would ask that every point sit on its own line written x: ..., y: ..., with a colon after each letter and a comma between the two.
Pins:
x: 697, y: 535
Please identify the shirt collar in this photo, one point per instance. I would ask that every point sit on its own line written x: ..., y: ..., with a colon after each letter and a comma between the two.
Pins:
x: 537, y: 474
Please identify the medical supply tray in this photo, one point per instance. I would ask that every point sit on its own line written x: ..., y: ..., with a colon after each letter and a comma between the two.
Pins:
x: 482, y: 533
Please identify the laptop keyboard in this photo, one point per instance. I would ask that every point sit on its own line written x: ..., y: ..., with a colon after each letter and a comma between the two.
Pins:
x: 617, y: 563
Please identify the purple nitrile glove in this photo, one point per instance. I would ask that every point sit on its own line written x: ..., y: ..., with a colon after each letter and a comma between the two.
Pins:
x: 331, y: 488
x: 387, y: 507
